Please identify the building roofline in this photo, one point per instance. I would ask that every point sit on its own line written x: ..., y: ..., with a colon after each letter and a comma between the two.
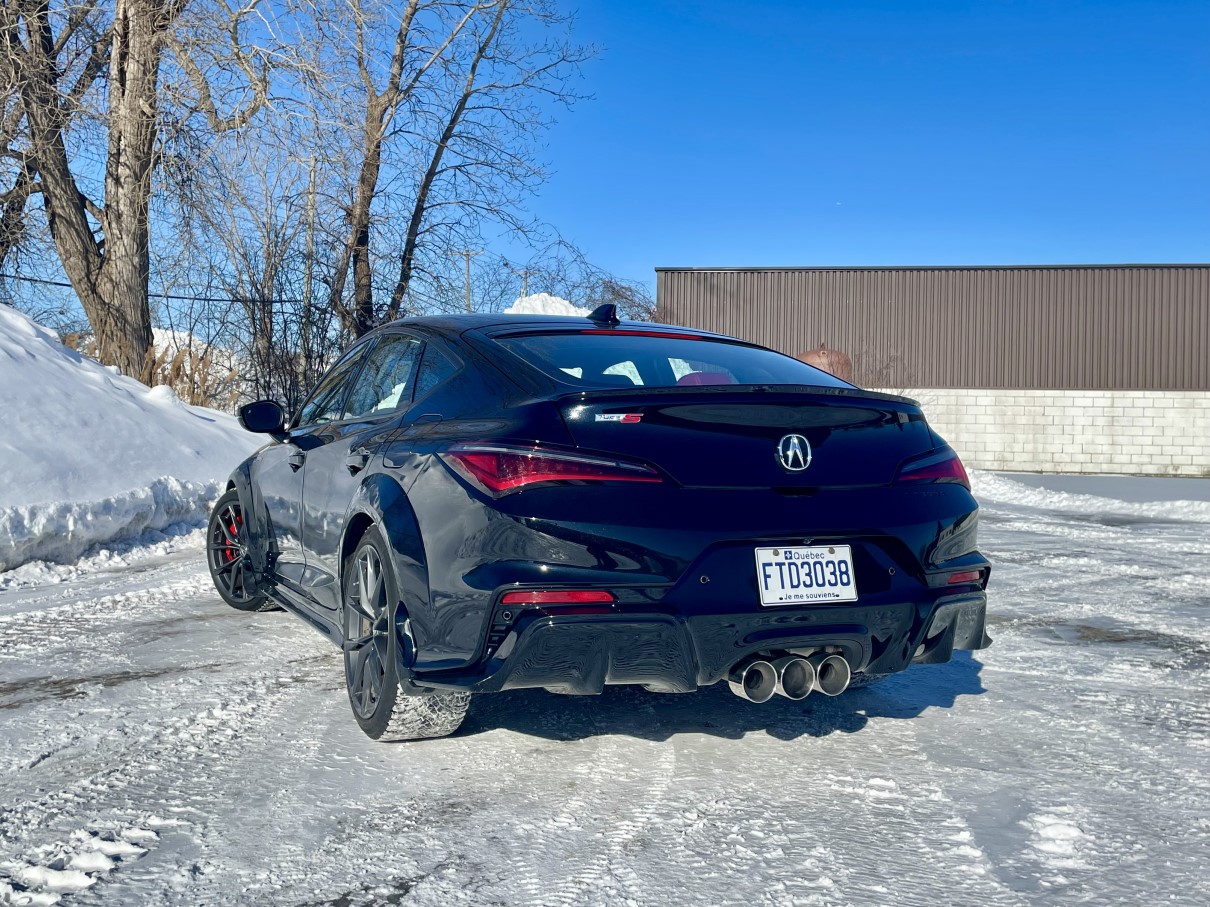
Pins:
x: 1075, y: 267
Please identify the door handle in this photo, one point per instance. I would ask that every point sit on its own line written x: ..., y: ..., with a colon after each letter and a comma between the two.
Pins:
x: 356, y: 462
x: 296, y: 460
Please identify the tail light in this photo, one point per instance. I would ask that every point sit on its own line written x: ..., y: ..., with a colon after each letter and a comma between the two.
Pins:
x: 558, y: 597
x: 940, y: 466
x: 965, y: 578
x: 555, y: 602
x: 500, y: 469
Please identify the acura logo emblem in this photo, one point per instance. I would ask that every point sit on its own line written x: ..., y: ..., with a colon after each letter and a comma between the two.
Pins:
x: 794, y: 453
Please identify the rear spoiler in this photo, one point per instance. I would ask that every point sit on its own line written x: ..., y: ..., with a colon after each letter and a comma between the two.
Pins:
x: 723, y: 390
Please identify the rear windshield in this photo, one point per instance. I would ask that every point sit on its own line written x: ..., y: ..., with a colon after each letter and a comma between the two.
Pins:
x: 616, y: 359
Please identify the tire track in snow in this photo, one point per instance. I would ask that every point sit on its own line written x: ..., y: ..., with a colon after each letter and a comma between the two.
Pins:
x: 95, y: 622
x: 170, y: 766
x: 581, y: 847
x: 178, y: 741
x: 622, y: 763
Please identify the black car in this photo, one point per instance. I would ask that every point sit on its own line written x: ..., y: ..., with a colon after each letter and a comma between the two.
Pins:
x: 469, y: 504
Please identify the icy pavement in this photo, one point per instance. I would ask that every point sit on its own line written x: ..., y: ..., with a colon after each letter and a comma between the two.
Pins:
x: 157, y: 747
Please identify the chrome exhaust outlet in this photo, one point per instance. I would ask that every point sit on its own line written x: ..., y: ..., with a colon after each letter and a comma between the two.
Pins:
x: 754, y: 680
x: 832, y: 674
x: 795, y: 677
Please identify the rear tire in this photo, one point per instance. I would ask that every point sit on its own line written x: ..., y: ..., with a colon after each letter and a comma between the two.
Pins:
x: 227, y: 542
x: 382, y: 710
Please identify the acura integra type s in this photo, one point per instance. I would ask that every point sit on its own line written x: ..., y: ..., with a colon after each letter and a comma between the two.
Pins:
x: 476, y: 503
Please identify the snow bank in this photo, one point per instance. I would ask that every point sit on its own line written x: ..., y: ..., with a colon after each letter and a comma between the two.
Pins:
x: 543, y: 304
x: 111, y: 556
x: 995, y: 489
x: 89, y: 456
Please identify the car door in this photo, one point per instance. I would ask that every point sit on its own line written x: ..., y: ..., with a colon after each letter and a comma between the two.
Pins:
x: 277, y: 473
x: 343, y: 448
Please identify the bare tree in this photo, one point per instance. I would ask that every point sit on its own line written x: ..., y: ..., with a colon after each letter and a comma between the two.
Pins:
x: 563, y: 270
x: 52, y: 58
x: 104, y: 246
x: 633, y: 299
x: 445, y: 137
x: 246, y: 208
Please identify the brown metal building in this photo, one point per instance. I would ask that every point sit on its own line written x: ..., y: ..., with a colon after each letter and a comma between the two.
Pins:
x: 1112, y: 327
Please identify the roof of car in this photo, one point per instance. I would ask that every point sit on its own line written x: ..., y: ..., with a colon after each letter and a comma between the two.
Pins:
x: 453, y: 325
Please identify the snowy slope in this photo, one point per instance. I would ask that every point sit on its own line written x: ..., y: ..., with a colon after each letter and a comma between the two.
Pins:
x: 88, y: 456
x: 989, y: 486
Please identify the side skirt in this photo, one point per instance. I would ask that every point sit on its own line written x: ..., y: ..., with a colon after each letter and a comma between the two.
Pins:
x: 298, y: 605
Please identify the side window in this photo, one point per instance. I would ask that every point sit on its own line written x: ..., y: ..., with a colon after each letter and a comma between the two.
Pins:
x: 625, y: 369
x: 435, y: 368
x: 690, y: 371
x: 384, y: 383
x: 326, y: 400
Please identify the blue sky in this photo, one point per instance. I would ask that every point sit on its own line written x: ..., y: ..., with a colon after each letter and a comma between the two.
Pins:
x: 853, y: 133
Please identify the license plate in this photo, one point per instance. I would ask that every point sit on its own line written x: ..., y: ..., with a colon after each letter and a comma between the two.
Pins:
x: 805, y: 575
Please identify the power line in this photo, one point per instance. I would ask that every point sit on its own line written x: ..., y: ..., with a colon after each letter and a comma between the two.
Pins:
x: 152, y: 293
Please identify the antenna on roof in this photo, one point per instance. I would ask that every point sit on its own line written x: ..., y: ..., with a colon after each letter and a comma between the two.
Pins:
x: 605, y: 314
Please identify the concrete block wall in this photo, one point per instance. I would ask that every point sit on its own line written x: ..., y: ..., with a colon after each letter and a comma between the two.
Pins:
x: 1164, y: 433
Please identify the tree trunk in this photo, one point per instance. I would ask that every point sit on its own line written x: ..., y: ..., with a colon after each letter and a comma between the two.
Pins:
x: 124, y: 335
x: 407, y: 260
x: 109, y: 275
x: 359, y: 319
x: 363, y: 286
x: 66, y: 213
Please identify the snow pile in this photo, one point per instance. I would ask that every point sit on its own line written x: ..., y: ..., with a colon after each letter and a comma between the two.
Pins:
x: 111, y: 557
x: 544, y: 304
x: 89, y: 456
x: 996, y: 489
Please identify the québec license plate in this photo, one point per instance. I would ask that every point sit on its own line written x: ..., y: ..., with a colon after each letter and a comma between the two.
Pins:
x: 805, y: 575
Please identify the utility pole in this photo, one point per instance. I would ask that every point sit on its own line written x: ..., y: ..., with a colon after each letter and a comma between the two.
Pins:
x: 467, y: 253
x: 524, y: 272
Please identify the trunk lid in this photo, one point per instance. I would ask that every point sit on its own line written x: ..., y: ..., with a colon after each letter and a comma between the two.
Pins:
x: 732, y: 437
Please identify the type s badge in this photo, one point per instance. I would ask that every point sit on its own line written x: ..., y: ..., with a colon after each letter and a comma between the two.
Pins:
x: 629, y: 418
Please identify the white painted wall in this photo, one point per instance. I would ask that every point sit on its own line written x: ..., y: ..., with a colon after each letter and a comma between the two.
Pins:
x: 1164, y: 433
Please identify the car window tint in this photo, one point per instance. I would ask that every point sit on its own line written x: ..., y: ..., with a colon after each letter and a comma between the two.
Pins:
x: 384, y: 383
x: 326, y: 401
x: 604, y: 360
x: 435, y: 368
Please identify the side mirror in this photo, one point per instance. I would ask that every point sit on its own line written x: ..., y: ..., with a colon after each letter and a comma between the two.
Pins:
x: 263, y: 417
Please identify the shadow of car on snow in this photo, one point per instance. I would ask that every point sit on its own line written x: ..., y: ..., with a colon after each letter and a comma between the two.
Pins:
x: 715, y: 711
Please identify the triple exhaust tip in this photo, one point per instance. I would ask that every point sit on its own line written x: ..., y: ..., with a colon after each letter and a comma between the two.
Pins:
x: 832, y: 674
x: 754, y: 680
x: 791, y: 676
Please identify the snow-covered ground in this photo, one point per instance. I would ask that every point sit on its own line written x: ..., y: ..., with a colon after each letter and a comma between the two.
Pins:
x: 157, y: 747
x: 88, y: 456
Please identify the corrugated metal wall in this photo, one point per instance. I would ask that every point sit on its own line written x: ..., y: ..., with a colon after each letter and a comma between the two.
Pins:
x: 1127, y: 327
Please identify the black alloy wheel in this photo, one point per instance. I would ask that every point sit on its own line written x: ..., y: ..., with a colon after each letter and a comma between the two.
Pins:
x: 383, y: 709
x: 367, y: 650
x: 227, y: 556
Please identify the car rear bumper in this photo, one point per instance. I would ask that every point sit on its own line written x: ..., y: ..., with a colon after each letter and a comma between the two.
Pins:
x: 580, y: 654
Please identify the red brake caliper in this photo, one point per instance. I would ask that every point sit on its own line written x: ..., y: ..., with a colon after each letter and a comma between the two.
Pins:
x: 228, y: 554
